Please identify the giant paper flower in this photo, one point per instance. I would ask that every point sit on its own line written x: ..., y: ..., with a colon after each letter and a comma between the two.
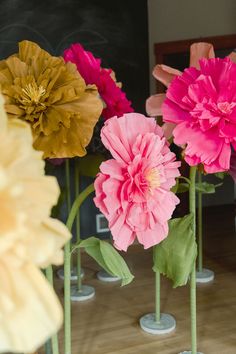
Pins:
x: 165, y: 74
x: 133, y: 188
x: 52, y: 96
x: 90, y: 69
x: 202, y: 104
x: 29, y: 240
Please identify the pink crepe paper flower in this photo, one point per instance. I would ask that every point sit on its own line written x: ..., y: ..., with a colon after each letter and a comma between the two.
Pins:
x: 133, y: 188
x: 202, y: 104
x: 90, y: 69
x: 166, y: 74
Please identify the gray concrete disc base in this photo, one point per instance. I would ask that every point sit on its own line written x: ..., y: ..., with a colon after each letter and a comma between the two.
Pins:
x: 106, y: 277
x: 87, y: 292
x: 189, y: 352
x: 166, y: 325
x: 73, y: 274
x: 205, y: 276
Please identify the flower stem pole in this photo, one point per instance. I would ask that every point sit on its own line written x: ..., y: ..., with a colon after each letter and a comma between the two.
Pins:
x: 67, y: 272
x: 192, y: 209
x: 48, y: 348
x: 199, y: 225
x: 54, y: 339
x: 76, y: 205
x: 77, y: 179
x: 158, y: 297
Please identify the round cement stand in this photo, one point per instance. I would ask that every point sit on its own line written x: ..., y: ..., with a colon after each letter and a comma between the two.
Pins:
x: 73, y: 276
x: 189, y: 352
x: 149, y: 325
x: 87, y: 292
x: 205, y: 276
x: 102, y: 275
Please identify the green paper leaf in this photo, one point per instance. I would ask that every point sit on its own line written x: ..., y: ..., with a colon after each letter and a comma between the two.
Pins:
x: 182, y: 188
x: 89, y: 165
x: 220, y: 175
x: 175, y: 256
x: 115, y: 263
x: 107, y: 257
x: 174, y: 189
x: 206, y: 188
x: 185, y: 179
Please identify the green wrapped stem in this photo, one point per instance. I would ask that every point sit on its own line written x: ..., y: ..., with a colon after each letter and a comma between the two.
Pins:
x: 67, y: 273
x: 158, y: 296
x: 192, y: 208
x: 54, y: 340
x: 200, y: 261
x: 78, y: 263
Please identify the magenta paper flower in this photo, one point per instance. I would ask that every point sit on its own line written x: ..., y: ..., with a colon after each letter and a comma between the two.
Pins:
x: 165, y: 74
x: 90, y: 69
x: 202, y: 104
x: 133, y: 188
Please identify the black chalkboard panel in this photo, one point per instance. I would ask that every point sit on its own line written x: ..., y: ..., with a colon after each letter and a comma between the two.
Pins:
x: 116, y: 31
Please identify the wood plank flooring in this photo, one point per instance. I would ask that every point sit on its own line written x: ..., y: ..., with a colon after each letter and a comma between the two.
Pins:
x: 108, y: 324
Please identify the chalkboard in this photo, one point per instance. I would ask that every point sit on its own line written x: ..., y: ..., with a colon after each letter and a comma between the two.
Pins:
x: 115, y: 31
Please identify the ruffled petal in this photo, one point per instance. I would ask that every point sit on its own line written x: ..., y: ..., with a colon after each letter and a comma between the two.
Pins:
x: 120, y: 144
x: 200, y: 50
x: 168, y: 129
x: 151, y: 237
x: 215, y: 155
x: 165, y: 74
x: 154, y: 103
x: 51, y: 235
x: 122, y: 234
x: 30, y: 310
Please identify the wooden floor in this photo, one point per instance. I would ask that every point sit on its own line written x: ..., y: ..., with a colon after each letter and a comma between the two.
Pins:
x: 109, y: 324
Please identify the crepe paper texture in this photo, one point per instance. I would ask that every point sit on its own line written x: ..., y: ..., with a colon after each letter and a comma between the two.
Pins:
x: 30, y: 240
x: 53, y: 98
x: 89, y: 67
x: 165, y: 74
x: 200, y: 103
x: 133, y: 188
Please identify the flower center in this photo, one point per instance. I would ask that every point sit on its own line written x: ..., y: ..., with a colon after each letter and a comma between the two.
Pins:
x: 153, y: 179
x: 226, y: 107
x: 32, y: 94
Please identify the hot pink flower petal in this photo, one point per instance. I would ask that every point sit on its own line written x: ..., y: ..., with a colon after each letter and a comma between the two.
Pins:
x: 165, y: 74
x: 200, y: 50
x: 134, y: 192
x: 89, y: 67
x: 202, y: 104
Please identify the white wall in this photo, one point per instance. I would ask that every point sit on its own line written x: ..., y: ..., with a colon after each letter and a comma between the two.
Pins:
x: 171, y: 20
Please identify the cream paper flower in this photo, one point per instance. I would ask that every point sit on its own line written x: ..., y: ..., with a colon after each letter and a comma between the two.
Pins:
x: 30, y: 311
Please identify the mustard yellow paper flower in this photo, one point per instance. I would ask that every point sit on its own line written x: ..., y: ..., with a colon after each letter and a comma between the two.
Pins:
x: 29, y: 240
x: 52, y: 96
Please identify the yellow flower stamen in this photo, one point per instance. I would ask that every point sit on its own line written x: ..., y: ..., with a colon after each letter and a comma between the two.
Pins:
x: 153, y: 178
x: 32, y: 93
